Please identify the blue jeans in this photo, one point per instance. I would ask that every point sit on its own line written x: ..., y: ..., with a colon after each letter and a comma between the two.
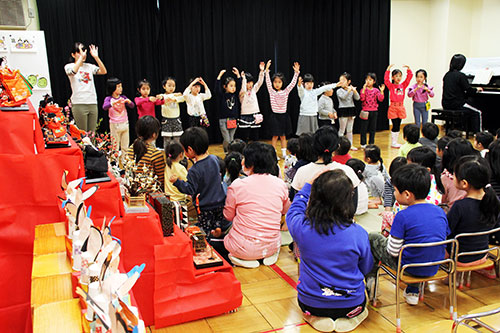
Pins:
x: 420, y: 112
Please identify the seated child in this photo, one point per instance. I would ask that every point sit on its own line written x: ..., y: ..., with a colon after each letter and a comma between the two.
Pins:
x: 341, y: 155
x: 421, y: 222
x: 482, y: 141
x: 478, y: 211
x: 389, y: 198
x: 455, y: 149
x: 290, y: 159
x: 237, y: 145
x: 233, y: 169
x: 305, y: 155
x: 359, y: 166
x: 375, y: 173
x: 426, y: 157
x: 204, y: 181
x: 441, y: 145
x: 335, y: 253
x: 411, y: 134
x: 430, y: 132
x: 174, y: 153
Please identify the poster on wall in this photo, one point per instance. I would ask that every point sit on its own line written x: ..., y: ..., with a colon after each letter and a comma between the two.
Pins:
x: 26, y: 51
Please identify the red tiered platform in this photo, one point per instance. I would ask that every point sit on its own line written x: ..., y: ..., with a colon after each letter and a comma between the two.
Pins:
x: 170, y: 289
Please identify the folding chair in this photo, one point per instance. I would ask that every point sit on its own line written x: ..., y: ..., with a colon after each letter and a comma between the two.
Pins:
x: 446, y: 269
x: 485, y: 319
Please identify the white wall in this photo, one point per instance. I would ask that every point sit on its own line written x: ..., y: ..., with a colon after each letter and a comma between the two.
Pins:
x: 426, y: 34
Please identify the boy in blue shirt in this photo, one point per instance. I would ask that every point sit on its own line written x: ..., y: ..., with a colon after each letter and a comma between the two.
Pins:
x: 203, y: 181
x: 421, y: 222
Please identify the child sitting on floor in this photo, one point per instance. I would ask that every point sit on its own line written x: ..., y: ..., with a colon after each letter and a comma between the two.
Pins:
x: 482, y: 141
x: 375, y: 174
x: 335, y: 253
x: 359, y: 166
x: 389, y: 198
x: 430, y: 132
x: 342, y: 155
x: 233, y: 169
x: 203, y: 181
x: 290, y: 159
x: 421, y: 222
x: 411, y: 134
x: 174, y: 153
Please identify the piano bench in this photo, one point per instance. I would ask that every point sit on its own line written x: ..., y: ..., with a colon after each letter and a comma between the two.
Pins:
x: 454, y: 119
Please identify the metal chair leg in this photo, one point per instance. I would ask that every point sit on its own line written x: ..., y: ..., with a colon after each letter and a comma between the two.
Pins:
x: 398, y: 314
x: 422, y: 291
x: 461, y: 284
x: 375, y: 289
x: 454, y: 286
x: 469, y: 277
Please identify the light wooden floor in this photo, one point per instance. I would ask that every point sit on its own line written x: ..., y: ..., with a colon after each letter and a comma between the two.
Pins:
x: 270, y: 304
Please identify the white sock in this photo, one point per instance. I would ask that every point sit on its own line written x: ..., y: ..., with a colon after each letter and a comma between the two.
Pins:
x: 283, y: 151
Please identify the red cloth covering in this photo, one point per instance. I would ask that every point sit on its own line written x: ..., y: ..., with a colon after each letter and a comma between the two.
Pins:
x: 183, y: 293
x: 29, y: 186
x: 20, y: 132
x: 107, y: 201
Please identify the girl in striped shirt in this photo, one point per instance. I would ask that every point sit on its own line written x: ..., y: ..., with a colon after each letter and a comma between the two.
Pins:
x: 281, y: 125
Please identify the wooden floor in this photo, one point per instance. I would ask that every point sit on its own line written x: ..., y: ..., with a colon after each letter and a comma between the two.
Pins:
x: 269, y: 302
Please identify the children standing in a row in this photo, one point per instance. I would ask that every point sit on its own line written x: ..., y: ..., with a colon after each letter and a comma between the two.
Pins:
x: 171, y: 126
x: 250, y: 118
x: 145, y: 103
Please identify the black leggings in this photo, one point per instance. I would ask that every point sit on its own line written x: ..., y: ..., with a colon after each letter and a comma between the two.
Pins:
x: 333, y: 313
x: 396, y: 124
x: 369, y: 125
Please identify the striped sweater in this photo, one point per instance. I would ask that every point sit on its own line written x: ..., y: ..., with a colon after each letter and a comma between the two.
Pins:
x: 154, y: 158
x: 279, y: 99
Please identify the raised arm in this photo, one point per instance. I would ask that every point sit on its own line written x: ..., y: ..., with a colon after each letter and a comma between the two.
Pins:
x: 207, y: 94
x: 409, y: 76
x: 387, y: 77
x: 324, y: 88
x: 243, y: 86
x: 79, y: 61
x: 218, y: 83
x: 296, y: 69
x: 380, y: 93
x: 95, y: 54
x: 268, y: 78
x: 259, y: 82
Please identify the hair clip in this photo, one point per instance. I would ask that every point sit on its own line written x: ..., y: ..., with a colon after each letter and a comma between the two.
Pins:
x: 169, y: 155
x: 326, y: 150
x: 487, y: 185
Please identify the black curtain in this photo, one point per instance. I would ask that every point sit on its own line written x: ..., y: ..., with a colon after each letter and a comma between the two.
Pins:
x: 190, y: 38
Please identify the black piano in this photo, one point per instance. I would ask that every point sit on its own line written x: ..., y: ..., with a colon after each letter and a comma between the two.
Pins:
x: 488, y: 101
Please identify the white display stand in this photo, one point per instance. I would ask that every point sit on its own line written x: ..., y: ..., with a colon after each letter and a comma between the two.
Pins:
x: 26, y: 51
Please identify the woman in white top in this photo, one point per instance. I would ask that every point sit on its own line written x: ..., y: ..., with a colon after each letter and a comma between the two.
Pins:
x: 81, y: 78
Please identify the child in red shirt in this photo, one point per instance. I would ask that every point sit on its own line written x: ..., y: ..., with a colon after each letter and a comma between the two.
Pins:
x: 342, y: 153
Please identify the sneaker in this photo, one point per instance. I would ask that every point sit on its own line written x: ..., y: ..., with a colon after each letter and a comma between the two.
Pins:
x: 350, y: 324
x: 244, y: 263
x: 395, y: 145
x: 363, y: 147
x: 354, y: 148
x: 411, y: 298
x: 322, y: 324
x: 272, y: 259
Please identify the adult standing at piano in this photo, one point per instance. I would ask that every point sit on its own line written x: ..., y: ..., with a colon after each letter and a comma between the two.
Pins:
x: 456, y: 87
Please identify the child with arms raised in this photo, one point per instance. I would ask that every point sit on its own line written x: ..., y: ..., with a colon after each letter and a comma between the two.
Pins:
x: 194, y: 101
x: 280, y: 122
x: 308, y: 121
x: 421, y: 222
x: 346, y: 112
x: 250, y: 119
x: 228, y: 105
x: 203, y: 179
x: 396, y: 111
x: 370, y: 97
x: 171, y: 126
x: 335, y: 253
x: 118, y: 119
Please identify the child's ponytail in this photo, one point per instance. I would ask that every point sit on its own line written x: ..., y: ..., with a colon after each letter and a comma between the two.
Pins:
x: 233, y: 165
x: 476, y: 171
x: 326, y: 141
x: 373, y: 153
x: 140, y: 148
x: 172, y: 152
x: 489, y: 206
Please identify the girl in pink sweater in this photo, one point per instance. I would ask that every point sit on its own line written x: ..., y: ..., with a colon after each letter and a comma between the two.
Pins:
x: 396, y: 111
x: 145, y: 103
x: 255, y: 205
